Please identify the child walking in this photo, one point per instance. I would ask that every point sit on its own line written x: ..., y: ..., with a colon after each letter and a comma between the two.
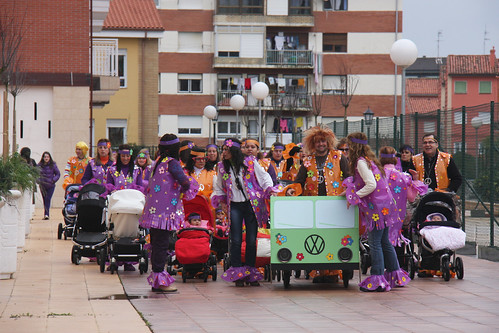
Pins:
x: 368, y: 189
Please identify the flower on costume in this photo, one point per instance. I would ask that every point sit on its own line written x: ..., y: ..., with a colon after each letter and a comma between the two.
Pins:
x: 161, y: 170
x: 369, y: 286
x: 330, y: 165
x: 377, y: 176
x: 248, y: 176
x: 310, y: 173
x: 300, y: 256
x: 116, y: 173
x: 393, y: 176
x: 331, y: 172
x: 225, y: 176
x: 152, y: 210
x: 174, y: 201
x: 255, y: 202
x: 307, y: 163
x: 279, y: 175
x: 385, y: 211
x: 335, y: 156
x: 284, y: 239
x: 397, y: 189
x: 375, y: 217
x: 229, y: 143
x: 329, y: 257
x: 370, y: 205
x: 157, y: 188
x: 250, y: 185
x: 336, y: 184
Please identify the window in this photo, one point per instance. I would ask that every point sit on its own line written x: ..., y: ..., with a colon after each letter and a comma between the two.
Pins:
x: 429, y: 127
x: 458, y: 118
x: 116, y: 131
x: 334, y: 42
x: 460, y: 87
x: 240, y: 7
x: 300, y: 7
x: 122, y: 67
x: 230, y: 83
x: 334, y: 84
x: 229, y: 54
x: 190, y: 83
x: 458, y: 148
x: 252, y: 127
x: 335, y: 4
x: 485, y: 87
x: 189, y: 124
x: 190, y: 42
x: 228, y: 127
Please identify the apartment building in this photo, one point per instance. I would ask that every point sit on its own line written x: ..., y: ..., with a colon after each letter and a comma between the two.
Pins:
x: 309, y: 53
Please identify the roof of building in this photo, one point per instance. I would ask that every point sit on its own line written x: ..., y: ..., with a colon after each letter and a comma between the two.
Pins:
x: 422, y: 104
x: 425, y: 67
x: 471, y: 64
x: 133, y: 15
x: 423, y: 86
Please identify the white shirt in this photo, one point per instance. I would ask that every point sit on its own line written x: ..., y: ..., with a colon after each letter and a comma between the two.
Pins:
x: 261, y: 175
x: 368, y: 178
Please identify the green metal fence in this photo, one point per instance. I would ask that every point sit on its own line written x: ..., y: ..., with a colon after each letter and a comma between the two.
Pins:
x: 474, y: 144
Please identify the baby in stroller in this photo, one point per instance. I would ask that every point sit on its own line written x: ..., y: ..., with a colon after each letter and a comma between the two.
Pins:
x: 192, y: 249
x: 438, y: 235
x: 220, y: 242
x: 69, y: 211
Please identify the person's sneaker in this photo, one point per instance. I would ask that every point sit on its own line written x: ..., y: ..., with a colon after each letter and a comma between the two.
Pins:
x: 129, y: 268
x: 239, y: 283
x: 46, y: 217
x: 164, y: 289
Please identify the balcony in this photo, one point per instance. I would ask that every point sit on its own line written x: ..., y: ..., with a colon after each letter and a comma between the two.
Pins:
x: 106, y: 81
x: 290, y: 58
x: 283, y: 102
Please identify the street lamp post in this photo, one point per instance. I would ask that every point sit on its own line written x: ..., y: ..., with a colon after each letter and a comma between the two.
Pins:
x: 368, y: 119
x: 403, y: 53
x: 260, y: 91
x: 237, y: 102
x: 476, y: 122
x: 210, y: 112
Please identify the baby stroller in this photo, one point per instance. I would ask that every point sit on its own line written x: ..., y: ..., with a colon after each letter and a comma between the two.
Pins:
x: 220, y: 241
x: 438, y: 240
x: 89, y: 233
x: 68, y: 211
x: 126, y: 239
x: 192, y: 248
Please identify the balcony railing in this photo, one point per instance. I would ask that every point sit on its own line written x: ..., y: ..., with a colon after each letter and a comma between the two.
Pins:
x: 276, y: 101
x: 105, y: 57
x: 290, y: 57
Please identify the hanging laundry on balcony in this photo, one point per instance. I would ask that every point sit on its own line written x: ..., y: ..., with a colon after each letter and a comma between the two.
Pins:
x: 281, y: 82
x: 254, y: 81
x: 301, y: 82
x: 271, y: 80
x: 240, y: 84
x: 284, y: 126
x: 247, y: 84
x: 299, y: 122
x: 279, y: 42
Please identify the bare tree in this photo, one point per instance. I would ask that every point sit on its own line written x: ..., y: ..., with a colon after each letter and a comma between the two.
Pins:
x: 347, y: 89
x: 12, y: 31
x: 17, y: 86
x: 317, y: 105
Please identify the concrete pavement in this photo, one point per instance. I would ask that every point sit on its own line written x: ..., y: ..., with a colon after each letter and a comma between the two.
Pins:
x: 49, y: 294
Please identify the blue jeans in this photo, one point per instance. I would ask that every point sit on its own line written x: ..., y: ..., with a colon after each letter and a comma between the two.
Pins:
x: 383, y: 254
x: 240, y: 211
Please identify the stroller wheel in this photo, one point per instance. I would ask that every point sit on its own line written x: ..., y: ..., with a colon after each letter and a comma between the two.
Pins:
x: 59, y: 231
x: 445, y: 269
x: 75, y: 257
x: 184, y: 277
x: 347, y: 276
x: 102, y: 259
x: 364, y: 263
x: 113, y: 267
x: 411, y: 268
x: 459, y: 267
x: 214, y: 272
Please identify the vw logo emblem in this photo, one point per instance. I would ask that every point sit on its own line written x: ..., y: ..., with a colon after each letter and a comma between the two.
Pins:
x: 314, y: 244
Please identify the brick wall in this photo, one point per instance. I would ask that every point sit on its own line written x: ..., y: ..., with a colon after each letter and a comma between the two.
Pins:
x: 56, y: 38
x: 148, y: 121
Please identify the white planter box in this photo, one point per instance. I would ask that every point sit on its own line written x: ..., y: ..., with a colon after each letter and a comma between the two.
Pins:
x: 9, y: 227
x: 25, y: 211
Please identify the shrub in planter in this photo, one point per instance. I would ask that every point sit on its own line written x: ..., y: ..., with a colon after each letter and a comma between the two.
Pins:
x: 16, y: 173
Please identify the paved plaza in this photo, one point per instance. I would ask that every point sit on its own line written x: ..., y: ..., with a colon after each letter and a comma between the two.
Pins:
x: 49, y: 294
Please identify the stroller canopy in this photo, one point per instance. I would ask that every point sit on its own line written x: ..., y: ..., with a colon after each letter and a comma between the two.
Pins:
x: 126, y: 201
x: 201, y: 206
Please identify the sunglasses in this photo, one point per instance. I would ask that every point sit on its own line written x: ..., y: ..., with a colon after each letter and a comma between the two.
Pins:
x: 429, y: 142
x: 344, y: 149
x: 199, y: 159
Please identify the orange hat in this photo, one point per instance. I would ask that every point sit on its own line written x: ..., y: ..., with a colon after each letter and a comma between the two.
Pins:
x: 295, y: 186
x: 287, y: 150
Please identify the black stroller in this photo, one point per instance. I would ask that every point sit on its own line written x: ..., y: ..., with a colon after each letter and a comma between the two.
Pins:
x: 89, y: 234
x: 68, y: 211
x: 435, y: 257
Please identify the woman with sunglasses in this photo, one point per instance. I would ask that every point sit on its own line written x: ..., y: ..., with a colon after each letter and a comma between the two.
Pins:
x: 242, y: 186
x: 196, y: 168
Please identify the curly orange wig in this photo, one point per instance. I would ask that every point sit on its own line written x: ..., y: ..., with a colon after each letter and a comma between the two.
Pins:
x: 318, y: 133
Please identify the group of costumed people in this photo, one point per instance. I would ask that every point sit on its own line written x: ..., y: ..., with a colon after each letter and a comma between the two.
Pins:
x: 239, y: 180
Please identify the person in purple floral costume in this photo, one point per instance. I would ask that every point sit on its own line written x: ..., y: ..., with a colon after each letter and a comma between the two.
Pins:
x: 368, y: 189
x: 164, y: 211
x: 242, y: 185
x: 96, y: 170
x: 123, y: 174
x: 404, y: 187
x: 143, y: 161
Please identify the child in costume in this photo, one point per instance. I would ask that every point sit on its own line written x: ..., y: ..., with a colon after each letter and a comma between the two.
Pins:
x: 368, y: 189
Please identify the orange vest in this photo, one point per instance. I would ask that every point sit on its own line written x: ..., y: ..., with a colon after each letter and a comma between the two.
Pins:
x: 332, y: 174
x: 279, y: 170
x: 205, y: 181
x: 443, y: 161
x: 293, y: 171
x: 264, y: 163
